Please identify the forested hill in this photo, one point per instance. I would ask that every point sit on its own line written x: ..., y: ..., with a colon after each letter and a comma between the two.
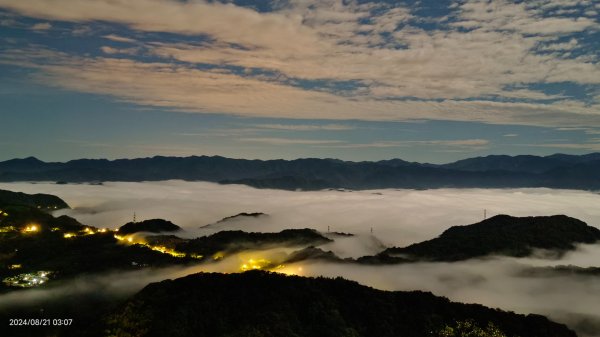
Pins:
x: 266, y: 304
x: 502, y: 235
x: 556, y: 171
x: 150, y: 226
x: 44, y: 201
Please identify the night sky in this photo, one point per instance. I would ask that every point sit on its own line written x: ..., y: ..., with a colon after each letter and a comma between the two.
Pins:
x: 430, y: 81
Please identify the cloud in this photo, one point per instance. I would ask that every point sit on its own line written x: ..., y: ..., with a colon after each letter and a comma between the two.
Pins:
x: 524, y: 18
x: 118, y: 38
x: 190, y: 89
x: 571, y: 129
x: 471, y: 144
x: 111, y: 51
x: 304, y: 127
x: 460, y: 142
x: 398, y: 218
x: 286, y: 141
x: 496, y: 282
x: 561, y: 46
x: 595, y: 146
x: 119, y: 285
x: 367, y: 61
x: 195, y: 204
x: 530, y: 94
x: 194, y: 18
x: 82, y: 31
x: 379, y: 144
x: 41, y: 26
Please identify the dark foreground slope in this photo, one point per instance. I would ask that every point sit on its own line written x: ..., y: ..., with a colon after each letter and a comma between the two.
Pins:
x: 557, y: 171
x: 43, y: 201
x: 266, y: 304
x: 32, y: 239
x: 502, y: 235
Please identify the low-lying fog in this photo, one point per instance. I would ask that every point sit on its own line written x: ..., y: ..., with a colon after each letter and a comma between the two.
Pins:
x: 398, y: 218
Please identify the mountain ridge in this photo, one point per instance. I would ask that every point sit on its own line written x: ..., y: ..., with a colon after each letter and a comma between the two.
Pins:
x: 494, y: 171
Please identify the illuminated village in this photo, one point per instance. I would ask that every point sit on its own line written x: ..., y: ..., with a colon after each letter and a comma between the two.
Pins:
x: 28, y: 280
x: 39, y: 278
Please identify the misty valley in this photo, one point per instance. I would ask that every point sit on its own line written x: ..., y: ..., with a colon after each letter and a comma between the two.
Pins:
x: 201, y: 259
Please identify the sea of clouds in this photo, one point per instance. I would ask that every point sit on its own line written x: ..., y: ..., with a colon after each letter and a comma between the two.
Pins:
x: 397, y: 217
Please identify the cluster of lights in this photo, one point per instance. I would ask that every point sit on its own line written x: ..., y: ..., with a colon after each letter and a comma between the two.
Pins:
x: 5, y: 229
x: 48, y: 207
x: 166, y: 250
x: 258, y: 264
x: 123, y: 238
x: 31, y: 229
x: 86, y: 231
x: 28, y: 280
x: 161, y: 249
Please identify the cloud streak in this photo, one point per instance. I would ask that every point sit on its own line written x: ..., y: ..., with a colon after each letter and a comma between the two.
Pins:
x: 288, y: 141
x: 305, y: 127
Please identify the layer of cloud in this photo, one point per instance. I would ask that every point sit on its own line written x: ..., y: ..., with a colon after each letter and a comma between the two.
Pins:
x: 462, y: 145
x: 398, y: 218
x: 447, y: 73
x: 497, y: 283
x: 593, y: 146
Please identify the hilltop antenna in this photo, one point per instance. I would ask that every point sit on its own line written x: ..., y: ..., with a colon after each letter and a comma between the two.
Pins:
x: 484, y: 214
x: 371, y: 230
x: 133, y: 217
x: 328, y: 229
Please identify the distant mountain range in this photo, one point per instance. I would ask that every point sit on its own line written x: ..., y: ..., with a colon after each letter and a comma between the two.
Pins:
x: 555, y: 171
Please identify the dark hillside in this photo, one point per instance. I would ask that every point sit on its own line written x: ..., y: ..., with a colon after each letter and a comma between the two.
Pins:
x: 503, y: 235
x: 266, y: 304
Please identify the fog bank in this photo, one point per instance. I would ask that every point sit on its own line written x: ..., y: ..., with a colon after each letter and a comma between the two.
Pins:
x: 398, y: 217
